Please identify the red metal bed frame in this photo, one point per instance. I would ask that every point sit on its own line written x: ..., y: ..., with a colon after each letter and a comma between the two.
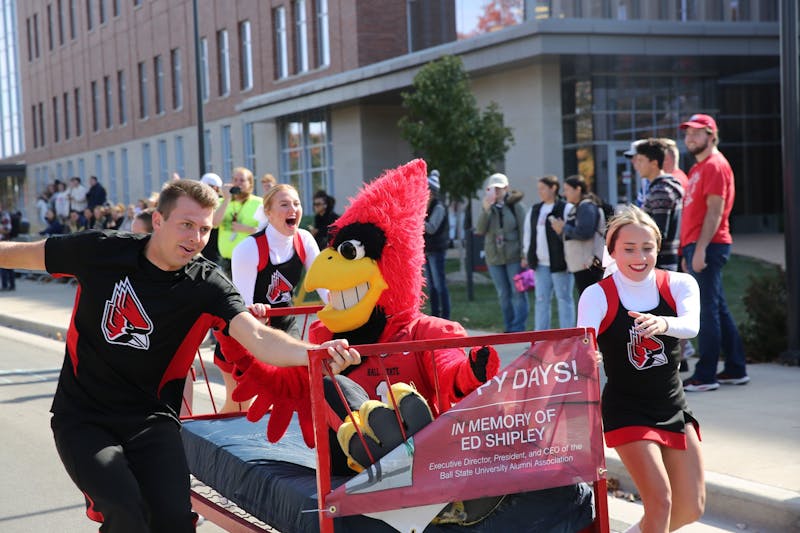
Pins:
x: 236, y: 524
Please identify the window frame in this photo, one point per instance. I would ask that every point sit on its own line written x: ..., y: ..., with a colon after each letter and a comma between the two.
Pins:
x: 223, y: 64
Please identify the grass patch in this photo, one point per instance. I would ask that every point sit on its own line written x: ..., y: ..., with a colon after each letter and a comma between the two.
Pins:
x: 483, y: 313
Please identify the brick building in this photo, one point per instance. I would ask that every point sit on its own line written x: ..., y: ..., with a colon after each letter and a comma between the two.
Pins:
x: 309, y: 90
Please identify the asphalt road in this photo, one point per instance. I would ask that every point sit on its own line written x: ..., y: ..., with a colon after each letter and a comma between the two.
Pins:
x: 35, y: 492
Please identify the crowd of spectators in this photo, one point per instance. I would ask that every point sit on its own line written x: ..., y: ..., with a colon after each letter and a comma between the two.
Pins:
x: 70, y: 207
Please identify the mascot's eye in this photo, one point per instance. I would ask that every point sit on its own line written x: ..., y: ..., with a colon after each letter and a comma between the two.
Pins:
x: 351, y: 250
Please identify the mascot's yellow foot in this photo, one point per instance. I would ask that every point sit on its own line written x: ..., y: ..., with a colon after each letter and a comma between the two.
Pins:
x: 468, y: 512
x: 379, y: 425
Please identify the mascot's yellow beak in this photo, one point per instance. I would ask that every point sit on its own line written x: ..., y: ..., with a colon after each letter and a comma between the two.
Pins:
x: 354, y: 285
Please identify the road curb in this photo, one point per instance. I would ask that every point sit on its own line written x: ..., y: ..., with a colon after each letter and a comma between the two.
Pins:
x: 759, y: 507
x: 32, y: 326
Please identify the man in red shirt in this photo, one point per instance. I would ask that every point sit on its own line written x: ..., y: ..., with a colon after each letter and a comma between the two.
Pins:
x: 706, y: 244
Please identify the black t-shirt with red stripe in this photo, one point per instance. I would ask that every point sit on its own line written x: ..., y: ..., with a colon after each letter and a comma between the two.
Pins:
x: 135, y: 328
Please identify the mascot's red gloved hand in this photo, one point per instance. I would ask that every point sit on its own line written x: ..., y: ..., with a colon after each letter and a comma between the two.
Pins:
x: 285, y: 389
x: 483, y: 365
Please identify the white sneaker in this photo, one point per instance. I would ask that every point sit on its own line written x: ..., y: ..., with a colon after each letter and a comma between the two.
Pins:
x: 694, y: 385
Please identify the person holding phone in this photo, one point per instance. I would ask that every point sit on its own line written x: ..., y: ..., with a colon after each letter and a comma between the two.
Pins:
x: 501, y: 223
x: 236, y: 215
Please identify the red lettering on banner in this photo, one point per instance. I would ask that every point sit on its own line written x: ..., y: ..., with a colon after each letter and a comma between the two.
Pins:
x: 535, y: 425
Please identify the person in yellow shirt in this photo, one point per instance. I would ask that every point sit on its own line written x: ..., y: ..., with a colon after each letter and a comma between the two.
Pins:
x: 236, y: 214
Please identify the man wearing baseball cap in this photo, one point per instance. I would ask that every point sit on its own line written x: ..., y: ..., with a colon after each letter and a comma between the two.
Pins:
x: 706, y: 246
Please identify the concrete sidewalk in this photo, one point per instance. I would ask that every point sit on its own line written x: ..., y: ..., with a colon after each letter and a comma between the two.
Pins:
x: 751, y: 433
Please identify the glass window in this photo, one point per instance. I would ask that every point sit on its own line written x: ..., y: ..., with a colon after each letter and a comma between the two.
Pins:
x: 227, y: 153
x: 82, y: 169
x: 55, y: 120
x: 223, y: 63
x: 207, y: 150
x: 72, y: 21
x: 95, y: 107
x: 177, y: 82
x: 111, y: 157
x: 204, y: 87
x: 281, y: 52
x: 98, y: 167
x: 36, y: 35
x: 60, y: 14
x: 163, y: 166
x: 78, y: 113
x: 89, y: 23
x: 323, y: 37
x: 715, y: 10
x: 41, y: 124
x: 245, y: 56
x: 70, y: 168
x: 34, y: 127
x: 305, y: 154
x: 59, y: 172
x: 109, y: 101
x: 115, y: 8
x: 687, y: 10
x: 49, y: 27
x: 122, y: 98
x: 300, y: 36
x: 101, y: 4
x: 767, y: 10
x: 147, y: 169
x: 142, y: 90
x: 126, y: 181
x: 740, y: 10
x: 472, y: 20
x: 180, y: 166
x: 28, y: 33
x: 248, y: 138
x: 158, y: 72
x: 66, y: 115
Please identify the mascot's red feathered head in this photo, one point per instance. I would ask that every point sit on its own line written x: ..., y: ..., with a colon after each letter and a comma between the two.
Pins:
x: 376, y: 252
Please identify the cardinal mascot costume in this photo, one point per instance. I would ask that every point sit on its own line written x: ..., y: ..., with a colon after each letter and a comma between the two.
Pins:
x: 372, y: 269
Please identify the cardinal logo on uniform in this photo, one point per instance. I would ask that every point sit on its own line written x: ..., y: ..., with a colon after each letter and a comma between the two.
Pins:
x: 645, y: 353
x: 279, y: 290
x: 125, y: 320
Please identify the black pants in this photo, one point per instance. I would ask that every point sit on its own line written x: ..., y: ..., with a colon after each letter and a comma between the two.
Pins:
x: 584, y: 278
x: 7, y: 275
x: 133, y: 473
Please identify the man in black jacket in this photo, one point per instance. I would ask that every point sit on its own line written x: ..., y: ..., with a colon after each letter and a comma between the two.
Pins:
x: 437, y: 231
x: 96, y: 194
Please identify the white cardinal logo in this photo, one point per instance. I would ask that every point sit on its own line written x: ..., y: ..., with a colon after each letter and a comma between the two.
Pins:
x: 124, y: 319
x: 279, y: 290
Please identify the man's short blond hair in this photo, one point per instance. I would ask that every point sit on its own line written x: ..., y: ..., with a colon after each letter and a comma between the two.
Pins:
x: 197, y: 191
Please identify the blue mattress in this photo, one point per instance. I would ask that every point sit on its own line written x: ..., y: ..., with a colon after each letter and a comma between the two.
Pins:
x: 276, y: 483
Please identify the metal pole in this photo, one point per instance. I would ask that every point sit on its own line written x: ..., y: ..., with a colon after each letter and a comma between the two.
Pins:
x: 469, y: 234
x: 790, y: 113
x: 201, y: 140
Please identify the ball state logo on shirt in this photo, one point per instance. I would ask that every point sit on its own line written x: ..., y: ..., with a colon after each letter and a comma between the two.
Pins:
x: 279, y: 290
x: 645, y: 353
x: 124, y: 319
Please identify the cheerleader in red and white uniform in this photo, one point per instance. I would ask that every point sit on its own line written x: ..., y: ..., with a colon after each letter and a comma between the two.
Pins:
x: 640, y: 313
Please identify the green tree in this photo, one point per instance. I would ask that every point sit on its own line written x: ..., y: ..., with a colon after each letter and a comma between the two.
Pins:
x: 444, y: 126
